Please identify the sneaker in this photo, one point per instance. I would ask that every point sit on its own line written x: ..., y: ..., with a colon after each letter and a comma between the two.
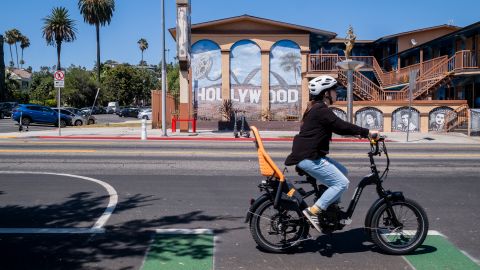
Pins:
x: 312, y: 218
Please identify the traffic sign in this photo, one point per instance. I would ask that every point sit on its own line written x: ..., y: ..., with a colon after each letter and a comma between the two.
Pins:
x: 59, y: 78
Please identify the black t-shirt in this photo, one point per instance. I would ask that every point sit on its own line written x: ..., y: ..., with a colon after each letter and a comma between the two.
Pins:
x: 313, y: 140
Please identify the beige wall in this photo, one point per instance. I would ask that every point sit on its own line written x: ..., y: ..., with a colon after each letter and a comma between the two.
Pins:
x: 265, y: 41
x: 421, y: 37
x: 388, y: 107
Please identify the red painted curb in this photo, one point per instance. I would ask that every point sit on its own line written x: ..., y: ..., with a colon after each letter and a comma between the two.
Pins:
x: 187, y: 138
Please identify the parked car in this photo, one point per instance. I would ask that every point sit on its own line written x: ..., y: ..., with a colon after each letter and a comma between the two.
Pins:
x: 96, y: 110
x: 91, y: 119
x: 113, y: 107
x: 129, y: 112
x: 32, y: 113
x: 145, y: 114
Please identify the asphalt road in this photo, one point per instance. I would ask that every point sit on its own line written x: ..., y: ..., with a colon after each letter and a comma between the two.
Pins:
x: 207, y: 185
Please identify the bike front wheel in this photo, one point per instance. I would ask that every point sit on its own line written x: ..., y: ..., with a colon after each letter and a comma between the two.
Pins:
x: 403, y: 237
x: 277, y: 230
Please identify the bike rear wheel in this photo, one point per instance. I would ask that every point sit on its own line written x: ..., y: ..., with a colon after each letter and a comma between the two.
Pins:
x: 277, y: 230
x: 401, y: 239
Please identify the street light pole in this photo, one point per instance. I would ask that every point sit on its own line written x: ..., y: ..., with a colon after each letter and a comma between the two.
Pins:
x: 164, y: 79
x: 350, y: 65
x: 350, y: 96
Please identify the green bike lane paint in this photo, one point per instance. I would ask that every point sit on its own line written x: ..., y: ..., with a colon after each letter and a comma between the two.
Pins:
x: 437, y: 253
x: 181, y: 249
x: 194, y: 249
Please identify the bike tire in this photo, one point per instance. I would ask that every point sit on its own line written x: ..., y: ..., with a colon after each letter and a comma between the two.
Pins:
x: 266, y: 215
x: 394, y: 240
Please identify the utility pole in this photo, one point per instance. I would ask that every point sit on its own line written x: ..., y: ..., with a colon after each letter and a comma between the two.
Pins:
x: 164, y: 77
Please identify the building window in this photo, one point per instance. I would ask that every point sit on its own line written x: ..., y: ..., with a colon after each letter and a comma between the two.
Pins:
x: 285, y: 80
x: 246, y: 78
x: 207, y: 79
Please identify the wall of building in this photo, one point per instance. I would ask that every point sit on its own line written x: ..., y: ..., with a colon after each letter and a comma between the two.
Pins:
x: 404, y: 41
x: 388, y: 114
x: 260, y: 94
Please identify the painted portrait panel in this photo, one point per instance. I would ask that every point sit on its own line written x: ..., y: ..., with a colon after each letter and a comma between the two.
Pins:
x: 437, y: 118
x: 404, y: 119
x: 339, y: 113
x: 370, y: 118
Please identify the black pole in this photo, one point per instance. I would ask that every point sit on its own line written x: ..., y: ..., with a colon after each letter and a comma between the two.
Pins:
x: 3, y: 89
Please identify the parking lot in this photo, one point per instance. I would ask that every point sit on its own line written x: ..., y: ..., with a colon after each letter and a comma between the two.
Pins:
x: 8, y: 125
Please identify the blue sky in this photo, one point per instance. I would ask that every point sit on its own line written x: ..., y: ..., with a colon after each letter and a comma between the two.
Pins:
x: 134, y: 19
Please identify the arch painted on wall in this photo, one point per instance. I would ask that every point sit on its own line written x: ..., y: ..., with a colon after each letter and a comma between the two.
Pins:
x: 399, y: 123
x: 437, y: 118
x: 369, y: 117
x: 246, y: 77
x: 285, y: 79
x: 206, y: 79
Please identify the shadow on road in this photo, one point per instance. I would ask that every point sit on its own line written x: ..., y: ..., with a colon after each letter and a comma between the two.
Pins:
x: 352, y: 241
x: 123, y: 246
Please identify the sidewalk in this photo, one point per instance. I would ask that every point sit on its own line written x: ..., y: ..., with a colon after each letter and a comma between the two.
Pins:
x: 134, y: 133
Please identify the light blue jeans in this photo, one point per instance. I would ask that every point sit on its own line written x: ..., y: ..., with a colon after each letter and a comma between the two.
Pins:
x: 330, y: 173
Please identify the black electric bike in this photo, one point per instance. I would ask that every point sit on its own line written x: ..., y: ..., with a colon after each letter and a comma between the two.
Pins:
x: 397, y: 225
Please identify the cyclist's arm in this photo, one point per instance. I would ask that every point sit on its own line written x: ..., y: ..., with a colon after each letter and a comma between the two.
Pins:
x: 341, y: 127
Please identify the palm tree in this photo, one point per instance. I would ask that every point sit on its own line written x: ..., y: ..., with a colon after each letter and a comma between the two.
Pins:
x: 291, y: 61
x: 24, y: 43
x: 16, y: 36
x: 10, y: 40
x: 143, y: 45
x: 97, y: 12
x: 57, y: 28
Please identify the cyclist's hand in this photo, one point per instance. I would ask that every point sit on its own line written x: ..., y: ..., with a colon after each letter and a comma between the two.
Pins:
x: 374, y: 135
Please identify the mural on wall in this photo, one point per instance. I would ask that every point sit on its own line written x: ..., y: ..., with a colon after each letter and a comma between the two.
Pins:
x: 285, y: 80
x: 475, y: 122
x: 438, y: 117
x: 339, y: 113
x: 370, y: 118
x: 400, y: 119
x: 207, y: 79
x: 246, y: 78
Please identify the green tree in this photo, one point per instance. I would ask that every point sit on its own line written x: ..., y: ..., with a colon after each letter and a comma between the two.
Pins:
x: 142, y: 45
x: 58, y: 28
x: 97, y: 12
x: 173, y: 81
x: 128, y: 85
x: 80, y: 87
x: 24, y: 43
x: 41, y: 88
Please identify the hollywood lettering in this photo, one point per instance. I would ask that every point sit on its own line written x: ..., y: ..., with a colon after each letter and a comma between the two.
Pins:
x: 247, y: 95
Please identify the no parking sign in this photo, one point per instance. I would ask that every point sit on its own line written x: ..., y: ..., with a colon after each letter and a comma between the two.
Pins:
x: 59, y: 78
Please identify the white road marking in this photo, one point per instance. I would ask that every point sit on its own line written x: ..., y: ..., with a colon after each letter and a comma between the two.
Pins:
x: 97, y: 227
x: 184, y: 231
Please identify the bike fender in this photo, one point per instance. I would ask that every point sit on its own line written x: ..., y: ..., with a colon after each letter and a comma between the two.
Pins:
x: 392, y: 196
x: 258, y: 201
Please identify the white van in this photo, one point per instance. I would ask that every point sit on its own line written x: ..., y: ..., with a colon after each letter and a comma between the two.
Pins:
x: 113, y: 107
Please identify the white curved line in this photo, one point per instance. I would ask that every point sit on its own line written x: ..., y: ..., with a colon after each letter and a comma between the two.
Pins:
x: 112, y: 203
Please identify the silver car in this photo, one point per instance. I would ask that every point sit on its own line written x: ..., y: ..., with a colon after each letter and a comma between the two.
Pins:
x: 78, y: 119
x: 145, y: 114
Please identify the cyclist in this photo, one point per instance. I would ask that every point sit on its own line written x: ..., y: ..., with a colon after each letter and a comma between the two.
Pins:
x: 311, y: 145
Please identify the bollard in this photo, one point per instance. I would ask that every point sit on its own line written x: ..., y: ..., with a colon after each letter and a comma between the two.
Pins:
x: 144, y: 129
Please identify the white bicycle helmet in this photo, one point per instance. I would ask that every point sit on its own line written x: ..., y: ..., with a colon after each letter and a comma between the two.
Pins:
x: 320, y: 84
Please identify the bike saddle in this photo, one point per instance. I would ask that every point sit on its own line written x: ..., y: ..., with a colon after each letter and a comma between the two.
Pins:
x: 300, y: 171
